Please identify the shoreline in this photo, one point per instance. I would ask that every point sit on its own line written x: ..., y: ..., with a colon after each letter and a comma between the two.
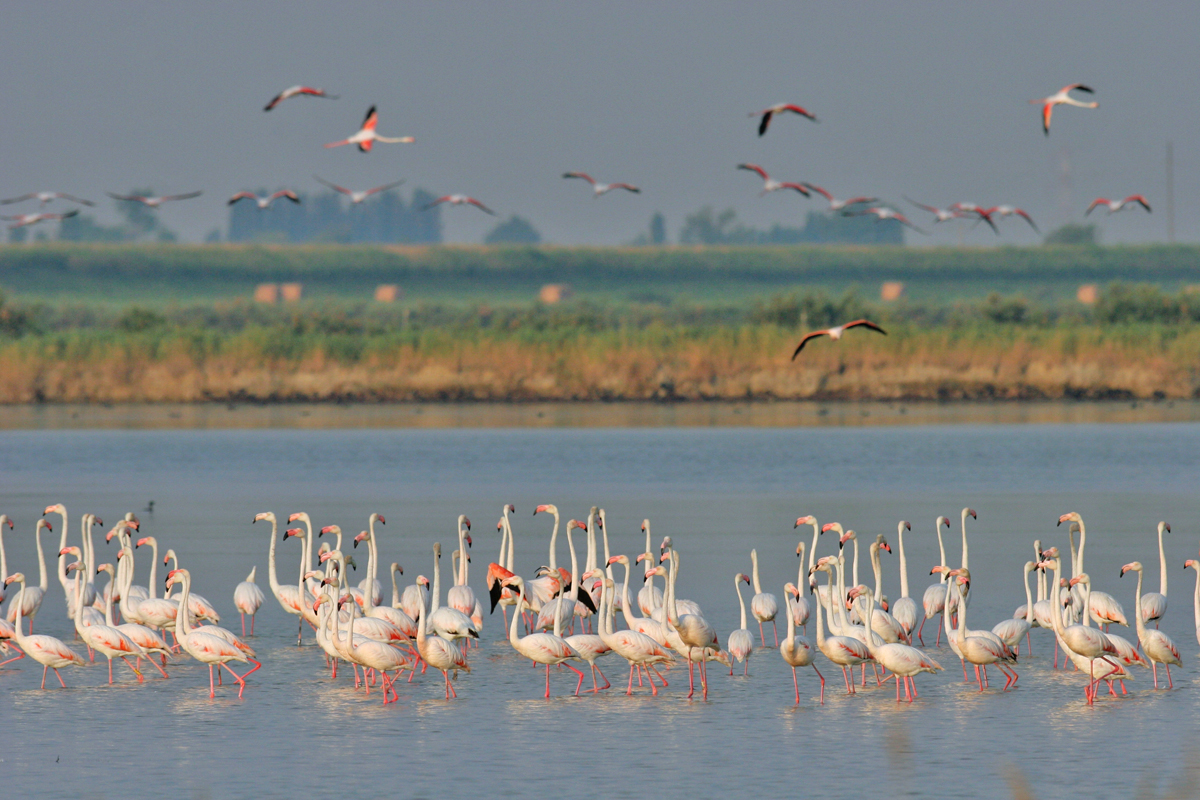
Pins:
x: 631, y: 414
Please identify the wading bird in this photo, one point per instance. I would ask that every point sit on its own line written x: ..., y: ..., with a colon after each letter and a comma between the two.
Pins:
x: 602, y: 188
x: 458, y: 200
x: 366, y: 136
x: 1062, y: 97
x: 1114, y: 206
x: 358, y: 197
x: 836, y: 333
x: 265, y: 201
x: 295, y: 91
x: 768, y: 114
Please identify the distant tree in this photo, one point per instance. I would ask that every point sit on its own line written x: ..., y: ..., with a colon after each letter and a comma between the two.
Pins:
x: 1073, y: 233
x: 213, y: 236
x: 514, y: 230
x: 83, y: 228
x: 18, y: 235
x: 658, y: 229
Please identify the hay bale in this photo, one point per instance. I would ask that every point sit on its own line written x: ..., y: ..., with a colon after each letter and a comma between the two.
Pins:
x: 1088, y: 294
x: 291, y: 291
x: 891, y: 290
x: 553, y: 293
x: 387, y: 293
x: 266, y: 293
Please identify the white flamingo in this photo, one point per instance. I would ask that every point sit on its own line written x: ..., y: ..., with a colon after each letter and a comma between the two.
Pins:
x: 46, y: 197
x: 741, y: 642
x: 1154, y: 604
x: 1157, y: 646
x: 459, y: 200
x: 638, y: 649
x: 357, y: 197
x: 834, y: 203
x: 298, y: 91
x: 772, y: 185
x: 1113, y: 206
x: 763, y: 605
x: 153, y: 201
x: 264, y: 202
x: 779, y: 108
x: 836, y: 333
x: 202, y: 645
x: 904, y: 661
x: 51, y: 653
x: 1062, y: 97
x: 795, y: 650
x: 22, y: 220
x: 904, y: 610
x: 248, y: 599
x: 602, y: 188
x: 366, y: 136
x: 32, y: 597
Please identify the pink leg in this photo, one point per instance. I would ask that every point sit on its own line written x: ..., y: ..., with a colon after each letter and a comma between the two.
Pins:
x: 1154, y: 669
x: 691, y: 679
x: 775, y: 630
x: 1170, y: 683
x: 660, y: 677
x: 252, y: 616
x: 110, y: 679
x: 212, y: 690
x: 1029, y: 643
x: 136, y: 671
x: 580, y: 674
x: 602, y: 675
x: 796, y: 684
x: 46, y: 669
x: 938, y: 641
x: 822, y: 677
x: 57, y: 675
x: 241, y: 681
x: 629, y: 691
x: 243, y: 616
x: 922, y: 641
x: 20, y: 654
x: 547, y: 682
x: 897, y: 688
x: 760, y: 633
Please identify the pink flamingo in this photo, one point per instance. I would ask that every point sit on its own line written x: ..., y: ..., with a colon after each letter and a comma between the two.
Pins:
x: 265, y: 201
x: 882, y: 213
x: 770, y: 184
x: 602, y: 188
x: 358, y: 197
x: 837, y: 332
x: 51, y: 653
x: 768, y: 113
x: 366, y: 136
x: 46, y: 197
x: 1062, y: 97
x: 1114, y: 206
x: 21, y: 220
x: 153, y: 201
x: 834, y: 203
x: 458, y: 200
x: 202, y: 646
x: 297, y: 91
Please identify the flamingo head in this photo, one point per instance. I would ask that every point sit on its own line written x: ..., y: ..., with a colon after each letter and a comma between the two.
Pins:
x: 906, y: 525
x: 800, y: 550
x: 269, y: 516
x: 174, y: 576
x: 75, y: 566
x: 939, y: 568
x: 1166, y: 526
x: 1132, y: 565
x: 397, y: 568
x: 1193, y: 563
x: 72, y: 550
x: 942, y: 521
x: 41, y: 523
x: 57, y: 508
x: 16, y: 576
x: 623, y: 560
x: 806, y: 520
x: 970, y: 512
x: 332, y: 529
x: 500, y: 524
x: 362, y: 537
x: 883, y: 545
x: 666, y: 544
x: 297, y: 532
x: 645, y: 525
x: 545, y: 507
x: 143, y: 540
x: 574, y: 523
x: 1070, y: 516
x: 297, y: 515
x: 845, y: 537
x: 10, y: 522
x: 467, y: 539
x: 832, y: 526
x: 664, y: 557
x: 462, y: 520
x: 510, y: 509
x: 744, y: 577
x: 97, y: 521
x: 381, y: 520
x: 1080, y: 578
x: 422, y: 581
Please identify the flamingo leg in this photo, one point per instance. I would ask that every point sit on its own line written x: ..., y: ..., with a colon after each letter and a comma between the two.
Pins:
x: 898, y: 688
x: 241, y: 681
x: 299, y: 631
x: 577, y: 672
x: 136, y: 671
x: 921, y: 628
x: 822, y: 677
x: 629, y: 690
x: 607, y: 684
x: 212, y: 691
x: 243, y: 615
x: 660, y: 677
x: 775, y: 630
x: 846, y: 678
x: 252, y: 624
x: 691, y: 679
x: 1154, y: 669
x: 46, y: 669
x: 1029, y: 643
x: 1170, y: 683
x: 20, y: 654
x: 796, y: 684
x: 938, y: 641
x: 547, y: 682
x: 760, y: 633
x: 745, y: 667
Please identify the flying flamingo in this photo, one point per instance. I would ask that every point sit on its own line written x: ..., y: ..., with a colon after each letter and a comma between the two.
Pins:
x: 795, y: 650
x: 939, y: 214
x: 779, y: 108
x: 458, y: 200
x: 51, y: 653
x: 741, y: 642
x: 203, y: 646
x: 770, y: 184
x: 763, y: 605
x: 834, y: 203
x: 366, y: 136
x: 1062, y: 97
x: 46, y: 197
x: 1157, y: 646
x: 1114, y: 206
x: 295, y: 91
x: 836, y: 333
x: 882, y: 213
x: 21, y: 220
x: 153, y: 202
x: 1008, y: 211
x: 602, y: 188
x: 248, y: 599
x: 358, y: 197
x: 265, y: 201
x: 979, y: 211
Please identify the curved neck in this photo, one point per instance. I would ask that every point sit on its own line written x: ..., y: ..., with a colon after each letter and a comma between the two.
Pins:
x: 903, y: 564
x: 395, y: 590
x: 554, y: 543
x: 1087, y: 604
x: 589, y: 562
x: 754, y: 563
x: 878, y: 570
x: 645, y: 527
x: 737, y: 586
x: 153, y: 587
x: 512, y: 543
x: 183, y: 620
x: 626, y: 611
x: 63, y: 578
x: 503, y: 538
x: 1196, y: 600
x: 512, y: 628
x: 961, y: 609
x: 460, y: 576
x: 372, y: 571
x: 1082, y: 545
x: 791, y: 618
x: 819, y: 609
x: 17, y: 636
x: 673, y: 573
x: 1162, y: 565
x: 112, y: 590
x: 43, y: 578
x: 308, y: 543
x: 838, y: 600
x: 89, y: 556
x: 3, y: 555
x: 856, y: 561
x: 800, y: 572
x: 125, y: 579
x: 812, y: 553
x: 865, y: 615
x: 608, y: 571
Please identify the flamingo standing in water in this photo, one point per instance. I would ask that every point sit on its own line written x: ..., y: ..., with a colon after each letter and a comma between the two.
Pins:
x: 979, y: 650
x: 202, y: 646
x: 288, y: 596
x: 795, y: 650
x: 366, y: 136
x: 248, y: 599
x: 1104, y: 608
x: 834, y: 203
x: 1062, y: 97
x: 1157, y: 646
x: 1194, y: 564
x: 1082, y: 644
x: 602, y: 188
x: 904, y: 661
x: 1011, y: 631
x: 741, y: 642
x: 1154, y: 604
x: 459, y: 200
x: 836, y: 333
x: 543, y: 648
x: 763, y: 605
x: 106, y: 639
x: 1113, y: 206
x: 641, y: 651
x: 768, y: 114
x: 298, y: 91
x: 265, y: 201
x: 358, y: 197
x: 845, y: 651
x: 770, y: 184
x: 32, y: 597
x: 51, y: 653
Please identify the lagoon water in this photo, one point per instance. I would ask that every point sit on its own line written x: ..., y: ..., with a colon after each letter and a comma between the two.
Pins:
x: 718, y: 491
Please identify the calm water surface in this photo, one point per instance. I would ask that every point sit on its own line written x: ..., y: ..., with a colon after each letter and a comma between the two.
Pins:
x: 718, y: 491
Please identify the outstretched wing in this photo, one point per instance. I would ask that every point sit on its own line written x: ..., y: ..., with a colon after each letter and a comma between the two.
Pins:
x: 385, y: 187
x: 186, y: 196
x: 480, y: 206
x: 1047, y: 110
x: 930, y: 209
x: 766, y: 121
x: 288, y: 193
x: 864, y: 323
x: 762, y: 173
x: 370, y: 120
x: 1023, y: 215
x: 820, y: 191
x: 626, y: 186
x: 133, y: 198
x: 805, y: 340
x: 333, y: 186
x: 799, y: 187
x: 582, y: 175
x: 10, y: 200
x: 1139, y: 199
x: 1079, y: 87
x: 443, y: 199
x: 74, y: 199
x: 802, y: 112
x: 1099, y: 201
x: 241, y: 196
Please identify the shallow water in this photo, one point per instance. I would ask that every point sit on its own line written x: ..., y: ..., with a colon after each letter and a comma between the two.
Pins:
x: 718, y: 491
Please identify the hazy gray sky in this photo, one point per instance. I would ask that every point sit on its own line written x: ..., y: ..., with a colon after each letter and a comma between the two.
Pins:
x: 924, y: 99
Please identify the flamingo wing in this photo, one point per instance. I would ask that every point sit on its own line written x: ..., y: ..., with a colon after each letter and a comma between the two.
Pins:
x: 384, y: 188
x: 317, y: 93
x: 1025, y: 216
x: 766, y: 121
x: 1137, y: 198
x: 1047, y: 110
x: 10, y: 200
x: 856, y: 200
x: 629, y: 187
x: 242, y: 196
x: 370, y: 120
x: 288, y: 193
x: 73, y: 199
x: 582, y: 175
x: 480, y: 206
x: 185, y: 196
x: 799, y: 187
x: 819, y: 191
x: 802, y: 112
x: 804, y: 341
x: 133, y: 198
x: 1080, y: 87
x: 442, y: 199
x: 1099, y: 201
x: 762, y: 173
x: 864, y: 323
x: 333, y: 186
x: 930, y: 209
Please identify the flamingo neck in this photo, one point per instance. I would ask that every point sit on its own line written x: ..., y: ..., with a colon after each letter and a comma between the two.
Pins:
x: 903, y: 565
x: 937, y: 527
x: 1162, y: 565
x: 1028, y: 599
x: 435, y: 598
x: 272, y: 577
x: 754, y: 562
x: 43, y: 578
x: 108, y: 603
x: 554, y: 543
x: 737, y: 586
x: 1137, y: 608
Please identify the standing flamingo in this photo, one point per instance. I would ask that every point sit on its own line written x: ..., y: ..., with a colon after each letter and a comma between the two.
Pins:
x: 32, y: 597
x: 1154, y: 604
x: 248, y: 599
x: 288, y: 596
x: 1157, y: 646
x: 543, y: 648
x: 693, y: 634
x: 107, y: 640
x: 904, y: 661
x: 904, y: 610
x: 795, y: 650
x: 763, y: 605
x: 366, y: 136
x: 203, y: 646
x: 978, y: 650
x: 845, y: 651
x: 638, y: 649
x: 1103, y: 607
x: 1194, y: 564
x: 51, y: 653
x: 1083, y: 645
x: 591, y: 646
x: 741, y: 641
x: 1062, y: 97
x: 1011, y: 631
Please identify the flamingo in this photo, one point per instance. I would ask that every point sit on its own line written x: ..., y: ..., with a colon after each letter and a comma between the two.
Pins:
x: 46, y: 197
x: 371, y: 654
x: 288, y: 597
x: 1011, y: 631
x: 1154, y: 604
x: 808, y: 519
x: 763, y: 605
x: 32, y: 597
x: 1194, y: 564
x: 1009, y: 211
x: 297, y: 91
x: 645, y: 625
x: 904, y: 661
x: 549, y: 613
x: 978, y: 650
x: 106, y: 640
x: 795, y: 650
x: 366, y: 136
x: 140, y: 635
x: 201, y: 644
x: 882, y: 213
x: 248, y: 599
x: 768, y: 113
x: 692, y: 631
x: 602, y: 188
x: 1062, y: 97
x: 1081, y: 643
x: 198, y: 605
x: 1113, y: 206
x: 1103, y: 607
x: 153, y: 611
x: 939, y: 214
x: 51, y: 653
x: 638, y: 649
x: 447, y: 622
x: 543, y: 648
x: 458, y: 200
x: 265, y: 201
x: 845, y: 651
x: 799, y: 605
x: 983, y: 214
x: 770, y: 184
x: 461, y: 596
x: 650, y: 597
x: 502, y: 567
x: 836, y: 333
x: 904, y: 610
x: 741, y: 642
x: 358, y: 197
x: 152, y: 201
x: 371, y: 580
x: 883, y: 622
x: 4, y: 520
x: 834, y: 203
x: 1157, y: 646
x: 591, y: 646
x: 22, y: 220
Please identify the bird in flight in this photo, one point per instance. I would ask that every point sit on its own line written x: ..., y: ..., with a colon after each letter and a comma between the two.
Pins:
x: 602, y: 188
x: 779, y: 108
x: 265, y: 201
x: 1062, y: 97
x: 834, y: 203
x: 984, y: 214
x: 293, y: 91
x: 367, y: 136
x: 939, y: 214
x: 1009, y: 211
x: 358, y: 197
x: 458, y: 200
x: 1114, y: 206
x: 770, y: 184
x: 21, y: 220
x: 46, y: 197
x: 153, y: 202
x: 882, y: 213
x: 837, y: 333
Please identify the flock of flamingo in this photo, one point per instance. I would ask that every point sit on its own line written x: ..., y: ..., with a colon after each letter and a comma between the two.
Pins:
x: 856, y: 626
x: 366, y: 136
